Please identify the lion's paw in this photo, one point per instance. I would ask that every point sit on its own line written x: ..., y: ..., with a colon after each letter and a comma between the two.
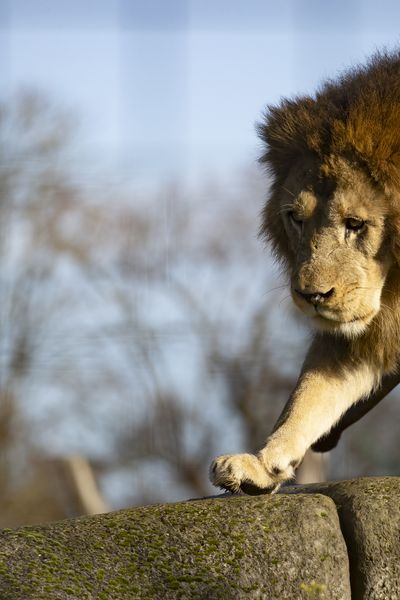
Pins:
x: 245, y: 472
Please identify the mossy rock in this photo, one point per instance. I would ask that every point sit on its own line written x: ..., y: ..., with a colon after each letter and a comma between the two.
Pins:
x: 271, y: 547
x: 369, y: 512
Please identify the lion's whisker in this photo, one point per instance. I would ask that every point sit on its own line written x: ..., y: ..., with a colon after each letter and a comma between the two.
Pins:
x: 284, y: 298
x: 389, y: 308
x: 288, y: 191
x: 278, y: 287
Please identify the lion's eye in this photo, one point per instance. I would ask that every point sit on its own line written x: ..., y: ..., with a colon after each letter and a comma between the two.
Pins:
x: 295, y: 218
x: 353, y: 224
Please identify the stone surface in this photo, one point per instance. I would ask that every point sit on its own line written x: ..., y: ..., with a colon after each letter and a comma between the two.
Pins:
x: 270, y: 547
x: 369, y: 512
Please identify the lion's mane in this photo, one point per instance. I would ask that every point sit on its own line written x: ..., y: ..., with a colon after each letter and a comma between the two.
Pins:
x: 356, y: 116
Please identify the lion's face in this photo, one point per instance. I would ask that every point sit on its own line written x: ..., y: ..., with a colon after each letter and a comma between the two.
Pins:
x: 336, y: 245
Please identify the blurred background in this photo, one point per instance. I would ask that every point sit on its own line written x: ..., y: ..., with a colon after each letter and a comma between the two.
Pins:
x: 143, y: 326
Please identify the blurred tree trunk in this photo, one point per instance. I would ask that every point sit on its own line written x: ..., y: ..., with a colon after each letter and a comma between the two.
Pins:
x: 81, y: 486
x: 314, y: 468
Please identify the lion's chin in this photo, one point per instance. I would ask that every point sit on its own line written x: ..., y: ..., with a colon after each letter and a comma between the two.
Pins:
x: 349, y: 329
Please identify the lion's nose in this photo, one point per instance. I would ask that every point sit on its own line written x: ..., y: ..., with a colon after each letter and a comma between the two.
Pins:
x: 316, y: 297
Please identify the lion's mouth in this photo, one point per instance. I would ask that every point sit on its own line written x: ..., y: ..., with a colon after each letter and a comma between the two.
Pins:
x: 334, y: 318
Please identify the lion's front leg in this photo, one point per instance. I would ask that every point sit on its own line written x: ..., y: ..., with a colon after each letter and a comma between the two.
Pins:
x: 323, y: 393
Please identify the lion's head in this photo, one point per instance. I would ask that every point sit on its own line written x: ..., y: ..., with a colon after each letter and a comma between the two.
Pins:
x: 329, y: 223
x: 334, y: 205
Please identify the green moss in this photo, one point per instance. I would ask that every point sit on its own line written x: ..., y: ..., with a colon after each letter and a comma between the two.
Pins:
x: 313, y: 589
x: 196, y: 549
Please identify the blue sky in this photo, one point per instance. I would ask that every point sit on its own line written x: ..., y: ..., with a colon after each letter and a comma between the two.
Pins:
x: 171, y: 88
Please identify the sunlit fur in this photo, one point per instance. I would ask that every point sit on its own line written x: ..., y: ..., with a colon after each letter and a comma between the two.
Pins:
x: 333, y: 218
x: 334, y: 156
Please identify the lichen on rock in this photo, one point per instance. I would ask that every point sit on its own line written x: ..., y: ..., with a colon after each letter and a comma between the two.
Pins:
x: 271, y: 547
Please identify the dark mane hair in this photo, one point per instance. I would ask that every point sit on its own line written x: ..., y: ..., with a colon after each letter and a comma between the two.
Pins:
x: 356, y: 116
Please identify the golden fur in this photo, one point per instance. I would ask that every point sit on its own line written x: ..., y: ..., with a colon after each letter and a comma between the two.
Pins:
x: 333, y: 218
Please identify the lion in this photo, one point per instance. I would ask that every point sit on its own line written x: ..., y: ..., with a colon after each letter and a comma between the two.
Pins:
x: 333, y: 219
